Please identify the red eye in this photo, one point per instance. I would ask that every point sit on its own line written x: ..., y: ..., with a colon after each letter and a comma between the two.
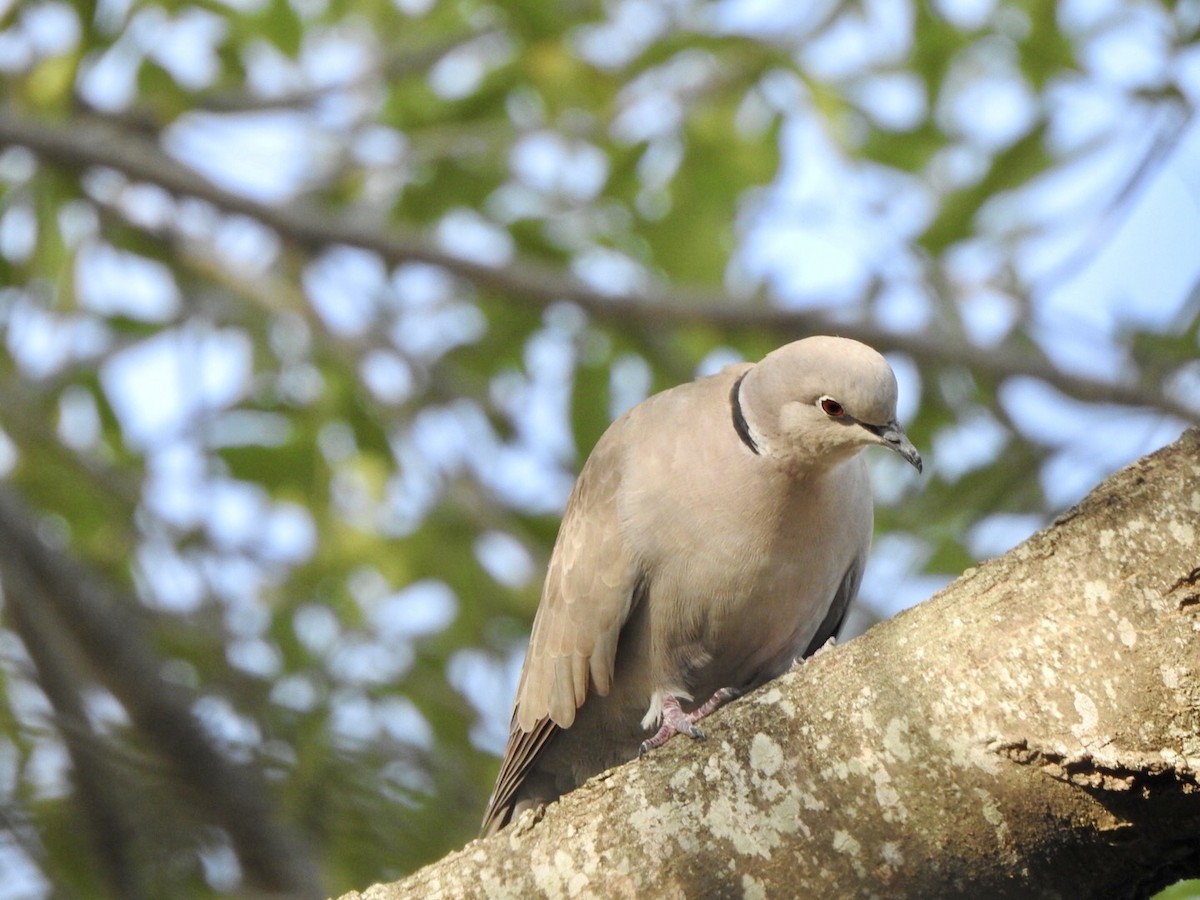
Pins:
x: 831, y: 407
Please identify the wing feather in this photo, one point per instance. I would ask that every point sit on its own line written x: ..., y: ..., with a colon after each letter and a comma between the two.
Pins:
x: 846, y: 592
x: 587, y: 597
x: 522, y: 749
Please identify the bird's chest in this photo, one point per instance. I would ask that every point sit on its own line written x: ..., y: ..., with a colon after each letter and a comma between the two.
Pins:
x: 743, y: 584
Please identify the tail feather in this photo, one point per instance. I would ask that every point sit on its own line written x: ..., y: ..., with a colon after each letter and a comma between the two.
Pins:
x: 512, y: 793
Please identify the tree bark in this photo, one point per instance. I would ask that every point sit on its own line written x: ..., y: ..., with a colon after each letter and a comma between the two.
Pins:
x: 1031, y: 731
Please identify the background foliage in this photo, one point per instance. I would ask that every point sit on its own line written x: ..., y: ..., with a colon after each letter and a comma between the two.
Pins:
x: 310, y: 310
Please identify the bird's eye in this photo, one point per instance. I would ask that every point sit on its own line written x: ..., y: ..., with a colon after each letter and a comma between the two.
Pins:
x: 831, y: 407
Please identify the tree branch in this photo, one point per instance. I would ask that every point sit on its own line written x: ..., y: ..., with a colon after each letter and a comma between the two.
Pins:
x: 1030, y: 731
x: 86, y: 144
x: 102, y: 805
x: 108, y: 636
x: 400, y: 63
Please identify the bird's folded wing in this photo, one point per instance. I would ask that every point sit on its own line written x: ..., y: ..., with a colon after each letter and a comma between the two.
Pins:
x: 846, y: 592
x: 588, y: 594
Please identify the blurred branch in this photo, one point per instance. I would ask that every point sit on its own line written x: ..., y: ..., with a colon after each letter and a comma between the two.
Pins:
x: 27, y: 419
x: 400, y: 64
x: 103, y: 628
x: 103, y: 806
x: 85, y: 144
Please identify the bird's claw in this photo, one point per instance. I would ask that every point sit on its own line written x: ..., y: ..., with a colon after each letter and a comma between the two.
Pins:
x: 824, y: 648
x: 676, y: 721
x: 668, y: 731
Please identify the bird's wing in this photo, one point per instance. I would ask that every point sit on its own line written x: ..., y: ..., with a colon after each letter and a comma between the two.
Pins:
x: 590, y: 589
x: 859, y: 510
x: 587, y: 596
x: 846, y: 592
x: 522, y: 749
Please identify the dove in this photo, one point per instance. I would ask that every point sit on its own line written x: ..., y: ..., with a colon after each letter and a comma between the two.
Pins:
x: 716, y: 534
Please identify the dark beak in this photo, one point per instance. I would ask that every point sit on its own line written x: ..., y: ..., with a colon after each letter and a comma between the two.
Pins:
x: 893, y: 436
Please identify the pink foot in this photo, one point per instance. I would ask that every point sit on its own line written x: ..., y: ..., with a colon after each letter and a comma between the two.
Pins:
x: 676, y: 721
x: 717, y: 700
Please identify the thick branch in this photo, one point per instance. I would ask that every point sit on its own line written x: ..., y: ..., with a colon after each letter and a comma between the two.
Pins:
x: 93, y: 143
x: 1033, y: 730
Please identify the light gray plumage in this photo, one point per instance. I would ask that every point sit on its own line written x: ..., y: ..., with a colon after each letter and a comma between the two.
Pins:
x: 717, y: 532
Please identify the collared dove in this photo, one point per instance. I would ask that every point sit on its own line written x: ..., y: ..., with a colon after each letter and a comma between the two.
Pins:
x: 716, y: 533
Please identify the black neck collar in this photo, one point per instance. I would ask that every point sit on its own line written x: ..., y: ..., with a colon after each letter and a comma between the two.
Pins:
x: 739, y: 418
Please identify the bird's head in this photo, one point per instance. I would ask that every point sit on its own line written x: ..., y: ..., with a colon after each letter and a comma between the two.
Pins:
x: 819, y: 400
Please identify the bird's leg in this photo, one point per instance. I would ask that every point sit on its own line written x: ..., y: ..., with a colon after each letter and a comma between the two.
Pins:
x: 717, y: 700
x: 676, y: 721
